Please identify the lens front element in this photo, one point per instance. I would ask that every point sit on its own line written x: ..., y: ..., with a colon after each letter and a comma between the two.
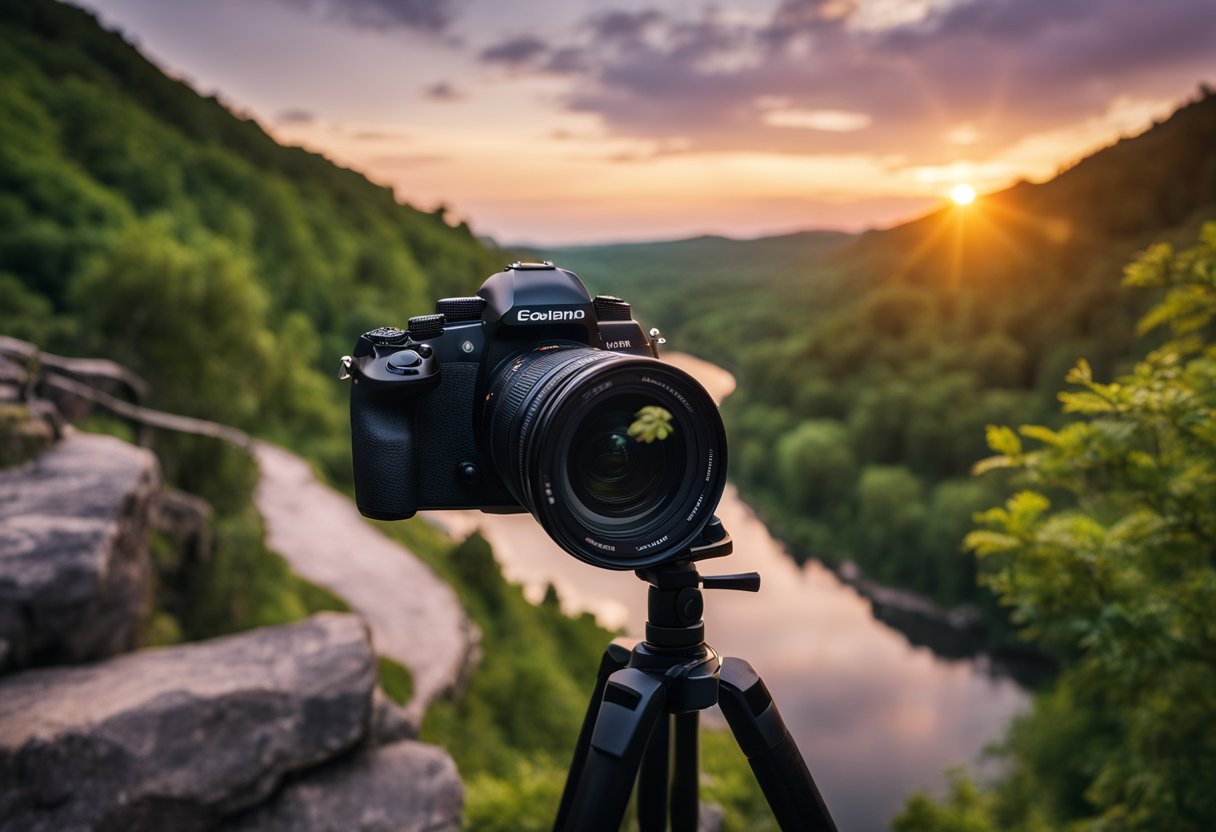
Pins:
x: 623, y: 461
x: 620, y: 458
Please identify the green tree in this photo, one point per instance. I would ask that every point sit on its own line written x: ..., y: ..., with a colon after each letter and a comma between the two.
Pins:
x: 190, y: 318
x: 1108, y: 557
x: 890, y: 518
x: 815, y: 465
x: 951, y: 505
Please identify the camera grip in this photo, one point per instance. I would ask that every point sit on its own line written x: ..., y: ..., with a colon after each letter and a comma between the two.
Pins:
x: 384, y: 454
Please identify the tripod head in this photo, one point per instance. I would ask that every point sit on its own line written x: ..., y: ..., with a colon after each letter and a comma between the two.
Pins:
x: 675, y: 603
x: 675, y: 632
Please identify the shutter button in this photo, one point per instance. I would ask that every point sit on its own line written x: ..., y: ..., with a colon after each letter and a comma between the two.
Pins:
x: 402, y: 362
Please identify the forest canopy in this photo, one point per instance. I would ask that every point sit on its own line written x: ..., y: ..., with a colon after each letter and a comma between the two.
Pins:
x: 143, y: 222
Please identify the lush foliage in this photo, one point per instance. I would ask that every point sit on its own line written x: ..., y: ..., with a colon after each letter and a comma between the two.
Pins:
x: 143, y: 222
x: 1108, y: 556
x: 869, y: 367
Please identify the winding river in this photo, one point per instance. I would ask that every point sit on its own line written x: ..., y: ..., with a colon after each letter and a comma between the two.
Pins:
x: 875, y: 716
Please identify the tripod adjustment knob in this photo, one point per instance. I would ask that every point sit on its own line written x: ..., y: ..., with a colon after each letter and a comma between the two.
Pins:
x: 689, y: 605
x: 743, y: 581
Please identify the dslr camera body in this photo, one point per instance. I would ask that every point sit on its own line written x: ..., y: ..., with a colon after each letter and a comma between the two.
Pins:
x: 533, y: 396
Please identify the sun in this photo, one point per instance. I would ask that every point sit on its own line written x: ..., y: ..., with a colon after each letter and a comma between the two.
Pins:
x: 962, y: 194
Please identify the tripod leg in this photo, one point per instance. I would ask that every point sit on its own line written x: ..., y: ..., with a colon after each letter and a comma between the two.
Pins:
x: 632, y: 705
x: 774, y: 758
x: 684, y: 785
x: 652, y: 781
x: 615, y: 657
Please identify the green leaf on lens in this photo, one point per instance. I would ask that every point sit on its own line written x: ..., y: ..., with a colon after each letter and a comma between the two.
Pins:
x: 651, y: 423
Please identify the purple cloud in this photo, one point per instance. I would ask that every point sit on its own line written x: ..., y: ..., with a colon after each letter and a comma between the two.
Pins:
x: 425, y: 15
x: 1004, y: 67
x: 522, y: 52
x: 629, y: 27
x: 295, y: 116
x: 443, y: 91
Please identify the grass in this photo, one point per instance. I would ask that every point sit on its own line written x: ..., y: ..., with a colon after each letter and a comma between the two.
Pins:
x: 395, y: 679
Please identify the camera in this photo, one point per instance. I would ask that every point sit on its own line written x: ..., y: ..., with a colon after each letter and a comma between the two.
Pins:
x: 533, y: 396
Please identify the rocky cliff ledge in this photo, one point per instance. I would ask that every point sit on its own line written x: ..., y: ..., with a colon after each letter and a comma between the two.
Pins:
x: 185, y: 737
x: 74, y: 564
x: 280, y: 728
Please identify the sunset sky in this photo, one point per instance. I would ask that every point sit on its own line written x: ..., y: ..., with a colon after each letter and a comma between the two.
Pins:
x: 579, y: 121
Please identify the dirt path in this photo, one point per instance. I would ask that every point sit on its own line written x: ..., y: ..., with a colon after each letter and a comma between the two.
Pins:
x: 415, y: 618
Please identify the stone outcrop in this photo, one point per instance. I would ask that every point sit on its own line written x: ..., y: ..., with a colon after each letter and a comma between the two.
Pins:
x: 177, y: 738
x: 404, y: 787
x: 186, y: 521
x: 280, y: 728
x: 390, y: 721
x: 74, y: 565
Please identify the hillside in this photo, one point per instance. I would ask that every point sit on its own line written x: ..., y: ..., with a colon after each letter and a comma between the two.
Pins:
x: 709, y: 258
x: 675, y: 284
x: 141, y: 221
x: 868, y: 370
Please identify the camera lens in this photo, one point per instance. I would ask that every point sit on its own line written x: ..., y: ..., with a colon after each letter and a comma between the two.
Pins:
x: 615, y: 474
x: 620, y: 458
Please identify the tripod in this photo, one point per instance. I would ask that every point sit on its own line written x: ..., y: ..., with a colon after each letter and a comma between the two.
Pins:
x: 646, y: 689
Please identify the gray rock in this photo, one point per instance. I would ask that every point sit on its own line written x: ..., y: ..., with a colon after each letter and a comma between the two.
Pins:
x: 404, y: 787
x: 74, y: 565
x: 390, y: 721
x: 175, y: 738
x: 186, y: 520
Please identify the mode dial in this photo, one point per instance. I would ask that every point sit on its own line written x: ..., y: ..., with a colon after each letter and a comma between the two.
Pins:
x: 460, y: 309
x: 385, y: 335
x: 608, y: 308
x: 424, y: 327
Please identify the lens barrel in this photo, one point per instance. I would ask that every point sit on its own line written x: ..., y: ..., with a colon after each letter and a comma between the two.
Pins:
x: 621, y: 459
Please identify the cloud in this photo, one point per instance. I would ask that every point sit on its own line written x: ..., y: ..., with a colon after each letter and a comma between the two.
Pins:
x: 522, y: 52
x: 379, y: 136
x: 831, y: 121
x: 406, y: 160
x: 880, y: 76
x: 443, y: 91
x: 424, y: 15
x: 613, y: 26
x: 295, y: 117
